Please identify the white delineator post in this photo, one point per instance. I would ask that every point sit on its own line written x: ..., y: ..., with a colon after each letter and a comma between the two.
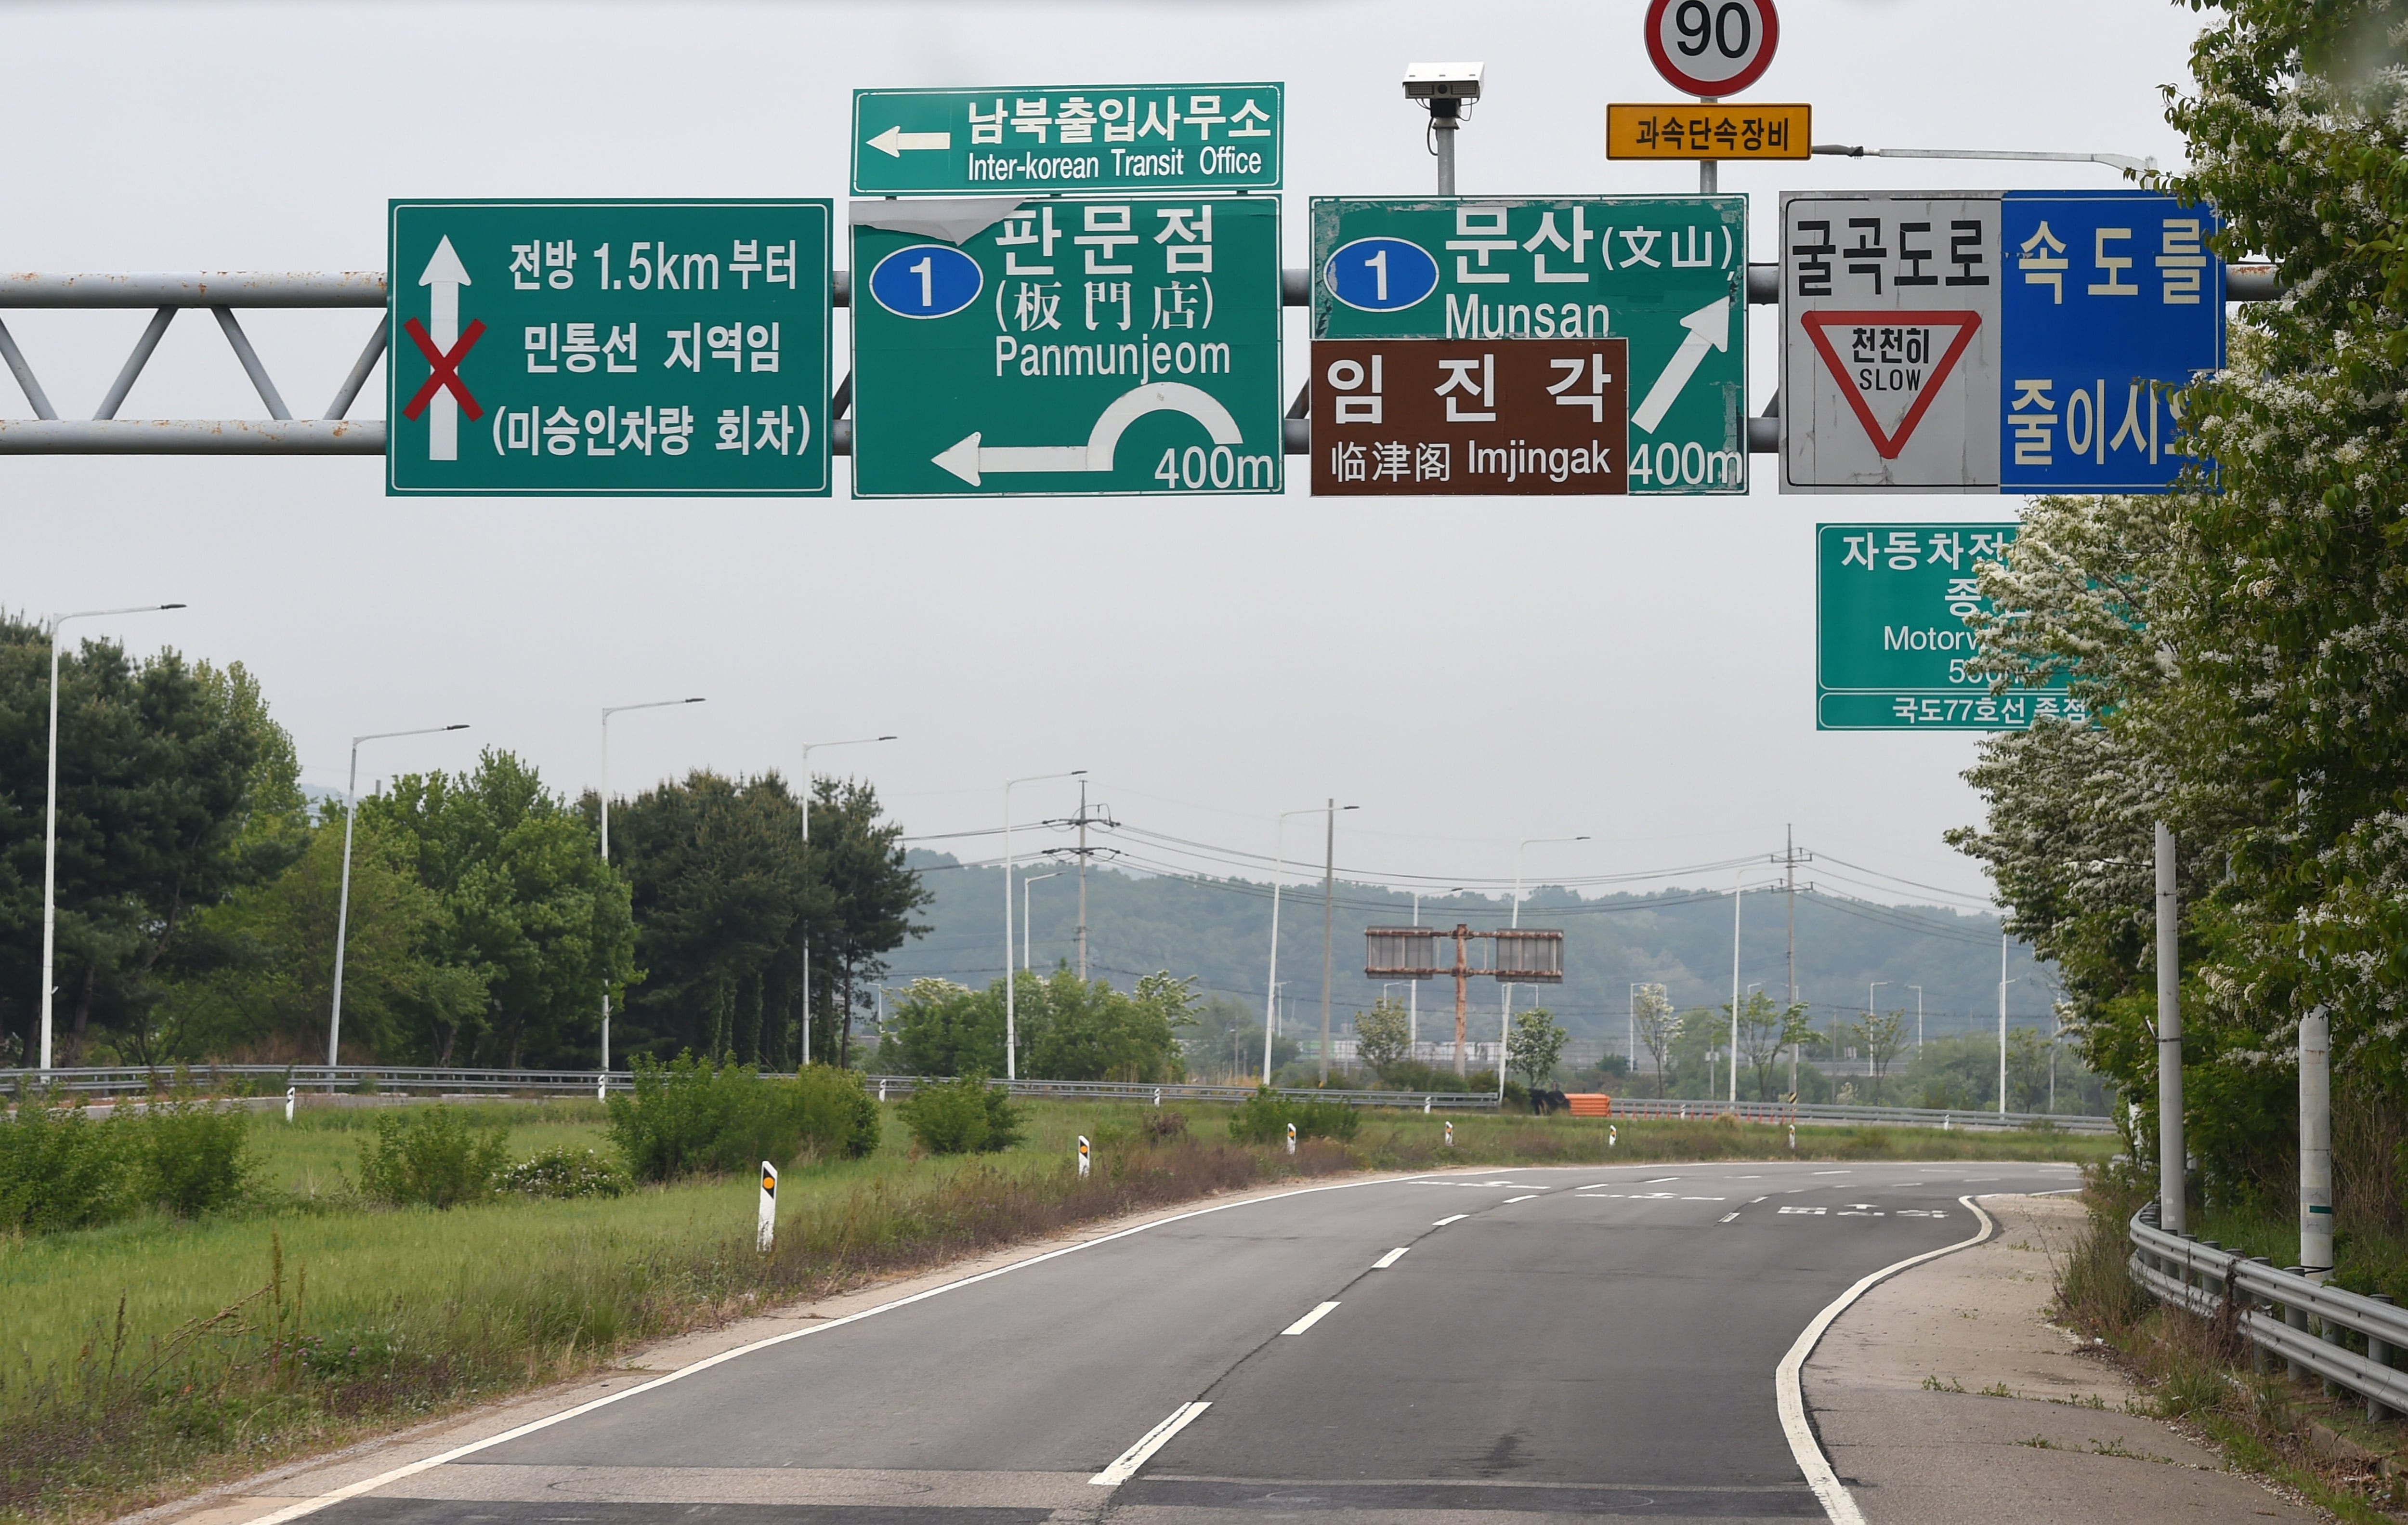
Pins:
x: 765, y: 1237
x: 1291, y: 1135
x: 446, y: 275
x: 2172, y: 1216
x: 291, y: 1095
x: 1450, y: 1135
x: 2316, y: 1143
x: 1084, y: 1147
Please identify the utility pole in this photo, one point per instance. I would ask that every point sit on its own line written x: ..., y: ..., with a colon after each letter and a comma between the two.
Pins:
x: 1082, y: 820
x: 1329, y: 929
x: 1790, y: 858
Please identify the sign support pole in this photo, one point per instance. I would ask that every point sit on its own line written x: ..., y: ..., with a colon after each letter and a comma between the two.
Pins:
x: 1708, y: 178
x: 2172, y: 1214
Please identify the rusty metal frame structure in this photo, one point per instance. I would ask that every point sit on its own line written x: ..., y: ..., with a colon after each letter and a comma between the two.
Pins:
x: 223, y: 291
x: 1521, y: 970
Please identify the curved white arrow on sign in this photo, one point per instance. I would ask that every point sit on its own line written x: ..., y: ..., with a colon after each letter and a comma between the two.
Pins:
x: 969, y: 460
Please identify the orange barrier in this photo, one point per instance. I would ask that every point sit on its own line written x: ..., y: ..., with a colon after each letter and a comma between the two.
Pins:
x: 1591, y: 1105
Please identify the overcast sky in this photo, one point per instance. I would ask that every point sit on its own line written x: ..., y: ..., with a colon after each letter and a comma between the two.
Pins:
x: 1469, y: 671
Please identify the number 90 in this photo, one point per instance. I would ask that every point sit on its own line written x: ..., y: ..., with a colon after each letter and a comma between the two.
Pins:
x: 1729, y: 30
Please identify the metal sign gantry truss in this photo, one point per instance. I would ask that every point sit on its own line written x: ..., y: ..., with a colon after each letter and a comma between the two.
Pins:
x: 332, y: 433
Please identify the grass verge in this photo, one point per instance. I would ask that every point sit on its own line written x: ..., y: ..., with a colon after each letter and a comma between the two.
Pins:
x: 2200, y: 1373
x: 143, y: 1359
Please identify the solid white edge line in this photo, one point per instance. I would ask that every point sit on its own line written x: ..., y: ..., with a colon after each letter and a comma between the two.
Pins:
x: 1315, y: 1317
x: 1837, y: 1505
x: 1385, y: 1262
x: 1125, y: 1465
x: 412, y: 1469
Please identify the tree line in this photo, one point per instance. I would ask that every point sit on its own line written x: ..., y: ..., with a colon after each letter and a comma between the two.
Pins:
x: 2246, y: 642
x: 198, y: 889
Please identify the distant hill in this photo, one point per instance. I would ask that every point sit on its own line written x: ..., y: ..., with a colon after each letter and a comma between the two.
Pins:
x: 1220, y: 929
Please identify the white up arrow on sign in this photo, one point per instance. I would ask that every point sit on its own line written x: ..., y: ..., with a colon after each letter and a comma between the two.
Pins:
x: 894, y: 141
x: 447, y: 275
x: 967, y: 459
x: 1708, y: 329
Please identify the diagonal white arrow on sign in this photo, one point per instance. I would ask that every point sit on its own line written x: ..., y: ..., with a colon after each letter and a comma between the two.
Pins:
x: 446, y: 275
x: 894, y: 142
x: 1708, y: 329
x: 969, y: 460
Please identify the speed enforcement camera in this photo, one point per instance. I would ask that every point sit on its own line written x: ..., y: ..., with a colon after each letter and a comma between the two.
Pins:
x: 1444, y: 81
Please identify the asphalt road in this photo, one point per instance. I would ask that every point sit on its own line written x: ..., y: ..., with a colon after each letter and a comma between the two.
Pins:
x: 1550, y: 1344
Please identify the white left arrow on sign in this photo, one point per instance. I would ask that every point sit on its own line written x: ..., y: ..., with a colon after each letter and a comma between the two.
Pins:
x: 969, y: 460
x: 1708, y: 329
x: 894, y: 142
x: 447, y: 275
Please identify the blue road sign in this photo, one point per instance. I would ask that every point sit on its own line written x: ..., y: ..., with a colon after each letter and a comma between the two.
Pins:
x: 2112, y: 300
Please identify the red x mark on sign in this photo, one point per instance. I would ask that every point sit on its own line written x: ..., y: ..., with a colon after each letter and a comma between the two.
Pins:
x: 445, y: 377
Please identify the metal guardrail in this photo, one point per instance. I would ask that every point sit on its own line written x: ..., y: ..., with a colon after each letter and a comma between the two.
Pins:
x: 889, y: 1087
x: 1940, y: 1117
x: 136, y: 1080
x: 2349, y: 1341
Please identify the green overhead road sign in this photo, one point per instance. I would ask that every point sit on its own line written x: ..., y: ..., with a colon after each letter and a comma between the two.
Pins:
x: 1667, y: 273
x: 1074, y: 347
x: 654, y: 348
x: 1890, y: 637
x: 1063, y: 138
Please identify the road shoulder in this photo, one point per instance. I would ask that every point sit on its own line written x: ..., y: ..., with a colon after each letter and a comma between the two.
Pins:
x: 1944, y: 1393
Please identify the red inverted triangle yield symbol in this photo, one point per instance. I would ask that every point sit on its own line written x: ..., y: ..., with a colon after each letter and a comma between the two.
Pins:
x: 1964, y: 323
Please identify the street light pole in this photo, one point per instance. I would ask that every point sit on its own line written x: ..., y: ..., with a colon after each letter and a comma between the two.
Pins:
x: 1918, y: 1017
x: 1010, y: 1003
x: 1279, y: 865
x: 50, y: 814
x: 343, y: 905
x: 1505, y: 1006
x: 607, y: 714
x: 856, y: 741
x: 1026, y: 898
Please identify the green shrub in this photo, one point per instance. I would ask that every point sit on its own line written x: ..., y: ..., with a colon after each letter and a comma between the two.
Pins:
x: 191, y: 1156
x: 962, y: 1117
x: 837, y: 1117
x: 431, y: 1155
x: 1265, y: 1118
x: 691, y: 1115
x: 59, y: 1168
x: 565, y: 1171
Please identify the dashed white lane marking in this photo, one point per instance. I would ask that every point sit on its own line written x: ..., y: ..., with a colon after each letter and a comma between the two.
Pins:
x: 304, y: 1508
x: 1835, y: 1172
x: 1521, y: 1199
x: 1727, y: 1217
x: 1385, y: 1262
x: 1754, y: 1201
x: 1659, y: 1180
x: 1125, y: 1466
x: 1452, y: 1218
x: 1315, y: 1317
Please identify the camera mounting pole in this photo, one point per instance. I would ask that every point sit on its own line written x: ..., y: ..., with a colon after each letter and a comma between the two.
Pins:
x: 1445, y: 91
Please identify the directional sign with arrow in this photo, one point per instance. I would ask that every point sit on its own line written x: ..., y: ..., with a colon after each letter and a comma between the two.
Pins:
x: 657, y: 349
x: 1067, y: 137
x: 1071, y: 346
x: 1665, y: 273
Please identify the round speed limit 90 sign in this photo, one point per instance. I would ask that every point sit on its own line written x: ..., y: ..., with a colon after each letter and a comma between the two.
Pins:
x: 1711, y: 47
